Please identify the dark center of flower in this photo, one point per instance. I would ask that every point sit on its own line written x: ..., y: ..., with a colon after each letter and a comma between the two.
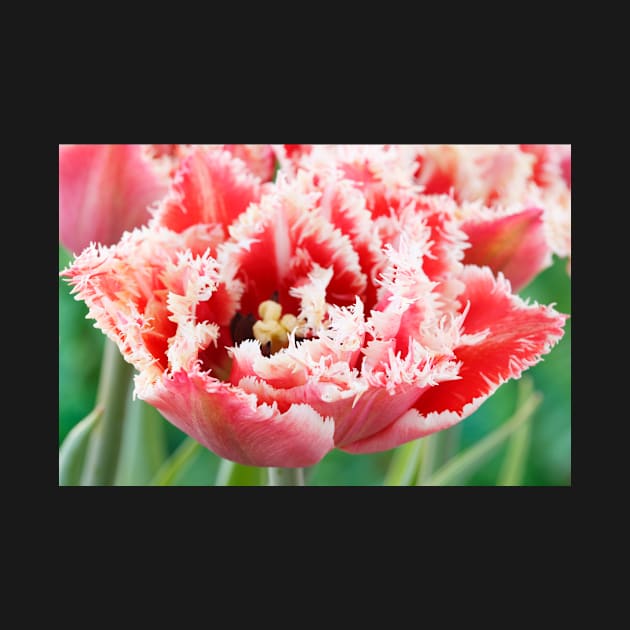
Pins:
x: 271, y: 330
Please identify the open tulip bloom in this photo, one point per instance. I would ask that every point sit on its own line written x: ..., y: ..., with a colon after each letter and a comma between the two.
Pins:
x: 360, y: 300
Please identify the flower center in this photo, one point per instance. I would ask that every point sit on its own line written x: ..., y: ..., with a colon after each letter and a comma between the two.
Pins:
x: 272, y: 329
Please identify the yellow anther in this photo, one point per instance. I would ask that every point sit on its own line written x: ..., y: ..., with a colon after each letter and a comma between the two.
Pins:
x: 269, y: 310
x: 270, y: 328
x: 289, y: 322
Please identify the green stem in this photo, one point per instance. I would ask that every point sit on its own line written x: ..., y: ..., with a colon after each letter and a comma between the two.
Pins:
x: 286, y: 476
x: 103, y: 450
x: 513, y: 469
x: 225, y: 473
x: 428, y: 457
x: 451, y: 439
x: 404, y: 464
x: 143, y: 448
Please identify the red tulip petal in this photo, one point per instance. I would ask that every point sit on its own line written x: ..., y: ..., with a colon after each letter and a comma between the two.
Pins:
x: 278, y: 242
x: 210, y: 186
x: 518, y: 335
x: 235, y: 426
x: 515, y: 244
x: 410, y: 426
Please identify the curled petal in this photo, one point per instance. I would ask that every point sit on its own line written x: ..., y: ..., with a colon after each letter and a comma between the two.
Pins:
x: 160, y: 303
x: 517, y: 334
x: 515, y: 244
x: 410, y: 426
x: 235, y: 426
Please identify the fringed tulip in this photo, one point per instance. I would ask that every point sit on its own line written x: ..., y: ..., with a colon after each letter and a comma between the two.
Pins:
x: 531, y: 183
x: 330, y: 309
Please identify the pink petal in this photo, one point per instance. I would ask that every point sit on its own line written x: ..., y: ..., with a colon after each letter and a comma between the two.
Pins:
x: 344, y: 206
x: 260, y: 158
x: 514, y: 244
x: 163, y: 305
x: 234, y: 426
x: 210, y: 187
x: 104, y: 189
x: 358, y: 410
x: 410, y: 426
x: 518, y: 335
x: 279, y: 241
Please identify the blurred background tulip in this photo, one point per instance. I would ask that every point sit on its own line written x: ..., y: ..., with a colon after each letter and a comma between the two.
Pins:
x: 105, y: 189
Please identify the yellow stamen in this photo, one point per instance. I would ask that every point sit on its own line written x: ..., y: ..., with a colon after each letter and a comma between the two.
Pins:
x: 270, y: 328
x: 269, y: 310
x: 289, y: 321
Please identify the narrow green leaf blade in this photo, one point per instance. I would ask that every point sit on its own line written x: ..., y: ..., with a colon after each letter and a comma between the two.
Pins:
x: 469, y: 461
x: 74, y: 448
x: 176, y: 463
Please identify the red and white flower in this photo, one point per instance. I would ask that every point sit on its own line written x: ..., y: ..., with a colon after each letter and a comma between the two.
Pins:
x: 332, y: 308
x: 513, y: 201
x: 106, y: 189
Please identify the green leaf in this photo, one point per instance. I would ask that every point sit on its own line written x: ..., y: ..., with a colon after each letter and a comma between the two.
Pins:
x: 465, y: 464
x: 143, y: 449
x: 72, y: 451
x: 177, y: 463
x: 404, y: 464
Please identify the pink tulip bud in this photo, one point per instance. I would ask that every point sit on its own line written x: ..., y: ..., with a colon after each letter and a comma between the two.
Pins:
x: 105, y: 189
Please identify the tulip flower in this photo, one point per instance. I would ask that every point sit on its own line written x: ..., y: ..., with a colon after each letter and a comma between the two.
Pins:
x: 530, y: 183
x: 489, y: 183
x: 275, y: 323
x: 105, y: 189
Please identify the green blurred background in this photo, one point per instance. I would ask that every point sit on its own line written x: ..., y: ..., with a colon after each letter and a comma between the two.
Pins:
x: 549, y: 456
